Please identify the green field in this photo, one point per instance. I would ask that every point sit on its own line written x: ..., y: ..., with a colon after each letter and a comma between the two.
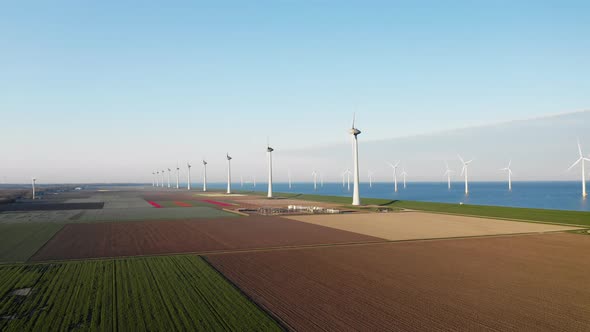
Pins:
x: 540, y: 215
x: 156, y: 293
x: 18, y: 242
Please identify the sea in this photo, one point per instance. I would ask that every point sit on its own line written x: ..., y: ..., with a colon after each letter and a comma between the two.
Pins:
x: 543, y: 195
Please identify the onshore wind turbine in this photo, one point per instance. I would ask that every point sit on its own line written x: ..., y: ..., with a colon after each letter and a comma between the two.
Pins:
x: 228, y: 173
x: 464, y: 171
x: 582, y: 159
x: 157, y: 178
x: 169, y: 170
x: 315, y: 178
x: 509, y: 170
x: 403, y: 173
x: 394, y: 167
x: 188, y: 186
x: 204, y: 175
x: 33, y: 180
x: 177, y: 176
x: 356, y: 199
x: 162, y: 173
x: 448, y: 174
x: 153, y: 179
x: 269, y: 151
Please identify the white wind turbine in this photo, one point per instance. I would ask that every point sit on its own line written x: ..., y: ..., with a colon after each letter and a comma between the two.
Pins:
x: 582, y: 159
x: 169, y: 170
x: 509, y: 170
x: 241, y: 181
x: 347, y: 173
x: 321, y: 180
x: 33, y: 180
x: 157, y: 178
x: 177, y: 176
x: 394, y: 167
x: 204, y: 175
x: 162, y: 174
x: 188, y: 186
x: 269, y: 151
x: 448, y: 174
x: 464, y: 171
x: 370, y: 174
x: 404, y: 174
x: 356, y: 199
x: 289, y: 176
x: 254, y: 180
x: 153, y: 179
x: 315, y: 179
x: 228, y: 173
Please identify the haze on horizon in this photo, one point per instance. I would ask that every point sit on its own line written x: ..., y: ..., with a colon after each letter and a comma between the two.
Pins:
x: 109, y: 91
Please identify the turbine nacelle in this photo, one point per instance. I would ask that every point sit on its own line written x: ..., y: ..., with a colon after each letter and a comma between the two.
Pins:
x: 269, y: 149
x: 228, y: 157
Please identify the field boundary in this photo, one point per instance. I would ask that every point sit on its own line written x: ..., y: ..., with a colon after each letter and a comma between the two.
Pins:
x: 284, y: 325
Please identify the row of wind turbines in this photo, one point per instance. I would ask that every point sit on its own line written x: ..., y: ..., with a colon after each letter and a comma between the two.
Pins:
x: 158, y: 176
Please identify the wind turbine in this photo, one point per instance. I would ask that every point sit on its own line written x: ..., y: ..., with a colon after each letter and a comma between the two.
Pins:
x: 241, y: 181
x: 448, y: 174
x: 403, y: 173
x: 162, y: 173
x: 464, y: 171
x: 188, y: 186
x: 177, y: 176
x: 157, y: 178
x: 269, y: 151
x: 204, y: 175
x: 228, y: 173
x: 289, y: 176
x: 509, y: 170
x: 370, y: 174
x: 582, y: 159
x: 169, y: 170
x: 348, y: 172
x: 153, y: 179
x: 33, y: 180
x: 356, y: 200
x: 321, y: 180
x: 315, y: 177
x: 254, y: 180
x: 394, y: 167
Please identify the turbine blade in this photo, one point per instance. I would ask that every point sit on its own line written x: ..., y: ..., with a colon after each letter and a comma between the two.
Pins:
x: 579, y: 148
x: 463, y: 161
x: 575, y: 163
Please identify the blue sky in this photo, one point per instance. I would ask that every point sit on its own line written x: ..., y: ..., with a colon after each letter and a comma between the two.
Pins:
x: 103, y: 90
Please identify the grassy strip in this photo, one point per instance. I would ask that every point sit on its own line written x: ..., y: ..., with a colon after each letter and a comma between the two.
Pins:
x: 167, y: 293
x: 540, y: 215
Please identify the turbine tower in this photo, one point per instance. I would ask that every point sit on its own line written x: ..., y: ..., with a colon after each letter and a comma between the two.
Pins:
x: 403, y: 173
x: 394, y: 167
x: 582, y: 159
x: 177, y: 176
x: 315, y: 177
x: 33, y: 180
x: 169, y: 170
x: 509, y: 170
x: 448, y: 174
x: 269, y: 151
x: 153, y: 179
x: 162, y: 173
x: 204, y: 175
x: 157, y: 178
x: 228, y: 173
x: 370, y: 174
x: 289, y: 176
x: 464, y: 171
x: 188, y: 185
x: 348, y: 172
x: 356, y: 199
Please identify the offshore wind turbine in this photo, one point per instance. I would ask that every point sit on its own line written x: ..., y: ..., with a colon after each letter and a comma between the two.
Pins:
x: 269, y: 151
x: 177, y: 176
x: 582, y: 159
x: 509, y: 170
x: 289, y: 176
x: 33, y: 180
x: 204, y: 175
x: 228, y: 173
x: 394, y: 167
x: 348, y: 172
x: 403, y: 173
x: 464, y: 171
x: 315, y: 178
x: 188, y: 186
x: 448, y: 174
x: 169, y: 170
x: 356, y: 200
x: 321, y: 180
x: 370, y: 174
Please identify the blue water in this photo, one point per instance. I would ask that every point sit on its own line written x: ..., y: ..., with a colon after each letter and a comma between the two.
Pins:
x: 544, y: 195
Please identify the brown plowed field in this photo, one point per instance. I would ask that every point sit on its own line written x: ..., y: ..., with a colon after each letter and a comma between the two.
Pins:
x: 77, y: 241
x: 514, y: 283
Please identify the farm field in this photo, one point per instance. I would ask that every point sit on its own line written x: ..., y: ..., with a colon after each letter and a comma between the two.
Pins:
x: 158, y: 293
x: 420, y: 225
x: 79, y: 241
x: 19, y: 241
x: 512, y: 283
